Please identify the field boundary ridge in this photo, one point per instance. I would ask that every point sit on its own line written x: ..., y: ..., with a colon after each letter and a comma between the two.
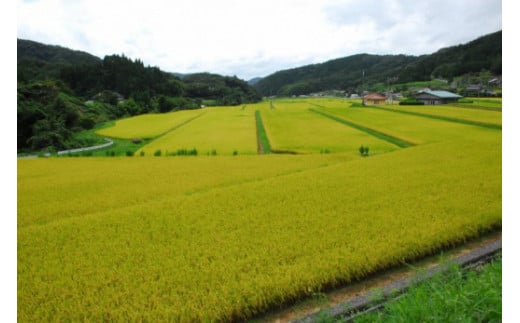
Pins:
x: 383, y: 136
x: 449, y: 119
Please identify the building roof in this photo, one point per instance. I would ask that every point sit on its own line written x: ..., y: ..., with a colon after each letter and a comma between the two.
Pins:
x: 375, y: 96
x: 442, y: 94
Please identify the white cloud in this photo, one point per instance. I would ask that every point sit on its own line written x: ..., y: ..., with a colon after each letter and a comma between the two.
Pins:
x: 253, y: 38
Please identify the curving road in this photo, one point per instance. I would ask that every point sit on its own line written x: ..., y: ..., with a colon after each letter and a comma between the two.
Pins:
x: 110, y: 142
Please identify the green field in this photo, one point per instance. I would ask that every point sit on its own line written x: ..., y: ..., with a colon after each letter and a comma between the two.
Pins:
x: 486, y: 103
x: 223, y: 238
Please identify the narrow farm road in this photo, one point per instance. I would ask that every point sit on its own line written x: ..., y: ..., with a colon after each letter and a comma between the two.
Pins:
x: 109, y: 142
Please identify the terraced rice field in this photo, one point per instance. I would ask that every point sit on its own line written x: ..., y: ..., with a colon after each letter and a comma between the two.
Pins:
x: 452, y: 113
x: 291, y: 127
x: 223, y: 238
x: 148, y: 125
x: 218, y: 131
x: 413, y: 128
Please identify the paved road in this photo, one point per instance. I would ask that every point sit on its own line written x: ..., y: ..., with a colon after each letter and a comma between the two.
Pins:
x: 76, y: 150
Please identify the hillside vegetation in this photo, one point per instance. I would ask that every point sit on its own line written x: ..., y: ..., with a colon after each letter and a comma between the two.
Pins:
x: 360, y: 72
x: 97, y: 90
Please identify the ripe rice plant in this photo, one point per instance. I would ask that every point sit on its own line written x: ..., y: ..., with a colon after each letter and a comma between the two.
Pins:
x: 230, y: 251
x: 62, y: 188
x: 224, y: 129
x: 225, y: 238
x: 291, y: 127
x: 411, y: 128
x: 492, y: 119
x: 149, y: 125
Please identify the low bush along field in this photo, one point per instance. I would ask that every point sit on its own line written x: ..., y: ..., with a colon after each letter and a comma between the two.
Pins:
x: 221, y: 130
x: 148, y: 125
x: 292, y: 127
x: 223, y: 238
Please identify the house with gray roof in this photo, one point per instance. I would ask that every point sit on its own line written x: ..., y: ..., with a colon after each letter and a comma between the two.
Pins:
x: 437, y: 97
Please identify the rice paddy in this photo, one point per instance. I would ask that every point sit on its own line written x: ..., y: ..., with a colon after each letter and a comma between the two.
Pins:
x: 224, y: 237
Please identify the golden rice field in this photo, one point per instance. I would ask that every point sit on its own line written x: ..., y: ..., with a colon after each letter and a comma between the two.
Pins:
x: 292, y: 127
x: 224, y: 238
x: 415, y: 129
x: 220, y: 130
x: 492, y: 117
x: 148, y: 125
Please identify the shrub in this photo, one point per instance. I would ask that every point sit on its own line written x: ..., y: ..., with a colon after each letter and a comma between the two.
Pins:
x: 363, y: 151
x: 157, y: 153
x: 411, y: 102
x: 87, y: 122
x: 129, y: 153
x: 185, y: 152
x: 325, y: 151
x: 465, y: 101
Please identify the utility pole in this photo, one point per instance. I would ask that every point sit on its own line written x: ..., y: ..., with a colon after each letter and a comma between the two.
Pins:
x: 363, y: 88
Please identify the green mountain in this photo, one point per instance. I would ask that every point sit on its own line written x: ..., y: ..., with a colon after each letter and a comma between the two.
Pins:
x: 357, y: 72
x: 86, y: 75
x: 40, y: 61
x: 55, y: 84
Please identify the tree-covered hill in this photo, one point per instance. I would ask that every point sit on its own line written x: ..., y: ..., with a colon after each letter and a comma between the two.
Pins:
x: 223, y: 89
x: 55, y: 84
x: 28, y: 49
x: 354, y: 73
x: 343, y: 73
x: 40, y: 61
x: 483, y: 53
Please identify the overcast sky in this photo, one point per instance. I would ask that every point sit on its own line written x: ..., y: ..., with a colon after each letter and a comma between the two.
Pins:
x: 250, y: 38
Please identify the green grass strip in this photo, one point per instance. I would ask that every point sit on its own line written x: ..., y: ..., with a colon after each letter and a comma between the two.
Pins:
x: 431, y: 116
x: 476, y: 107
x: 263, y: 142
x: 391, y: 139
x: 454, y: 296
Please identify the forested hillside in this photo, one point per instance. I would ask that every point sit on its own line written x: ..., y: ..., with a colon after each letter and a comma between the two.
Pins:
x: 359, y: 71
x: 62, y: 91
x: 40, y: 61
